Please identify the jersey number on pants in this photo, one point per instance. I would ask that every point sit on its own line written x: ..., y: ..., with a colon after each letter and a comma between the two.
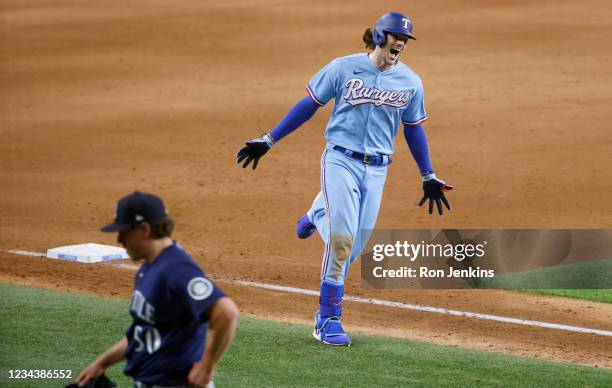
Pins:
x: 152, y: 339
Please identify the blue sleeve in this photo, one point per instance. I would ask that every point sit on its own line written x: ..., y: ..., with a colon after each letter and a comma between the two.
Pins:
x: 322, y: 87
x: 298, y: 115
x: 417, y: 142
x: 194, y: 290
x: 414, y: 113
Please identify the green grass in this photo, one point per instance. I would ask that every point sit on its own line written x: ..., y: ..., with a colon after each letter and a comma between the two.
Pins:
x: 596, y: 274
x: 49, y: 329
x: 44, y: 329
x: 591, y: 280
x: 598, y: 295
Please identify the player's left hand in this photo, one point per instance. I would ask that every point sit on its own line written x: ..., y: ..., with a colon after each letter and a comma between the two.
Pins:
x: 254, y: 150
x: 434, y: 189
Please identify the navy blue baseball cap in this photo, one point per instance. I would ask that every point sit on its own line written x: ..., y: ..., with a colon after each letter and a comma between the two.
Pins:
x: 136, y: 208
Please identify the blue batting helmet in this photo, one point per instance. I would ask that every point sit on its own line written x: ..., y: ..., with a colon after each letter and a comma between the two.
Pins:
x: 392, y: 22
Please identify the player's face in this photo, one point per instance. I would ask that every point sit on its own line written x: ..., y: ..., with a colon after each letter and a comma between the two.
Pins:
x: 134, y: 242
x: 393, y: 47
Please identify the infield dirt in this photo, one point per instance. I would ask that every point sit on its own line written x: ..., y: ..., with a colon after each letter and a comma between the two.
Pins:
x: 102, y: 98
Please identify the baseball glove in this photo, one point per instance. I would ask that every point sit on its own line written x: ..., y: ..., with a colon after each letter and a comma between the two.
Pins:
x: 254, y: 150
x: 100, y: 382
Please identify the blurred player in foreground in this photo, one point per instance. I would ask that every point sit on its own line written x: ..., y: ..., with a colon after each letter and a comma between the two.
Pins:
x: 174, y: 305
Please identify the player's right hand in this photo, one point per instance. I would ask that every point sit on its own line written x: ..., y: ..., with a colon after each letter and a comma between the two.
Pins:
x: 254, y: 150
x: 92, y: 372
x: 434, y: 189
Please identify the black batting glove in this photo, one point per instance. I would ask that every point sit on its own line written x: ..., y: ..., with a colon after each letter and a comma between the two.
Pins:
x: 434, y: 189
x: 254, y: 150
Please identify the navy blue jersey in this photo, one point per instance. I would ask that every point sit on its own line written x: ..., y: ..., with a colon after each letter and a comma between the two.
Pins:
x: 169, y: 308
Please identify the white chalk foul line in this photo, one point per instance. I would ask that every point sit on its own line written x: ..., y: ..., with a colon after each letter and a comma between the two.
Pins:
x: 380, y: 302
x: 429, y: 309
x: 25, y: 253
x: 132, y: 267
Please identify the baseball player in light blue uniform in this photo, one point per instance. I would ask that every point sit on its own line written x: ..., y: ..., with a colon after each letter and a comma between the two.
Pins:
x: 373, y: 93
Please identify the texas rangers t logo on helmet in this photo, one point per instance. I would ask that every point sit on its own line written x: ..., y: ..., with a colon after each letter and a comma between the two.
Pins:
x: 406, y: 22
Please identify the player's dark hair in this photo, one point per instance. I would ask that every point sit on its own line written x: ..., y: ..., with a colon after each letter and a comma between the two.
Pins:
x: 368, y: 40
x: 161, y: 229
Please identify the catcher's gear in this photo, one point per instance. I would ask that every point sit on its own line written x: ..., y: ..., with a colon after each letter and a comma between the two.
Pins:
x: 434, y: 189
x: 254, y: 150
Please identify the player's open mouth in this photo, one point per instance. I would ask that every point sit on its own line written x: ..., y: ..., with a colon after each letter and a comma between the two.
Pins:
x: 395, y: 52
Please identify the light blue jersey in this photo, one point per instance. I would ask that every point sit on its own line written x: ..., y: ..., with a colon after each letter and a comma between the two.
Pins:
x: 369, y: 103
x: 369, y: 106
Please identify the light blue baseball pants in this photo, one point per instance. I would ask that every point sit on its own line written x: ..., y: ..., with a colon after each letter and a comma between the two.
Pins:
x: 347, y: 205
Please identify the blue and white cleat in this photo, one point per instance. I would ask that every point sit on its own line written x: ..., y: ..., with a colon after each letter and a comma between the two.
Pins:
x: 305, y: 228
x: 330, y: 331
